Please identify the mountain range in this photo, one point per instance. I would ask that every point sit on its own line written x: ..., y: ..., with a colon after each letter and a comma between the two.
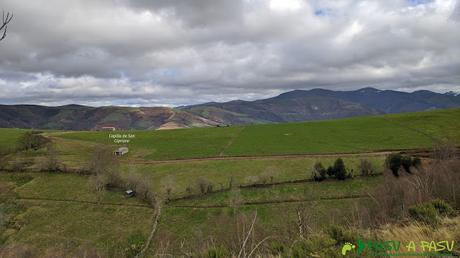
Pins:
x: 320, y: 104
x: 292, y: 106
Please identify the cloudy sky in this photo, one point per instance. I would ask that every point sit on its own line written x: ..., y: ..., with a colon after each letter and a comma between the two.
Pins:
x: 176, y: 52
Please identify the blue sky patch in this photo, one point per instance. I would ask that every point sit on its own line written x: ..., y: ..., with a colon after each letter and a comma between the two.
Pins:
x: 419, y: 2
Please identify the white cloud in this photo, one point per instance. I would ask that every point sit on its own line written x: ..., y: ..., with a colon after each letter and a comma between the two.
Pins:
x: 175, y: 52
x: 286, y: 5
x: 349, y: 33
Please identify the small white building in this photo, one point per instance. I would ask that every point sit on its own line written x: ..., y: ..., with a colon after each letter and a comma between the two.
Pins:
x: 121, y: 151
x: 108, y: 128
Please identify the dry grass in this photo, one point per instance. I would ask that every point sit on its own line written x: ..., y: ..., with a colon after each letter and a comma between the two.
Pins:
x: 449, y: 229
x: 438, y: 180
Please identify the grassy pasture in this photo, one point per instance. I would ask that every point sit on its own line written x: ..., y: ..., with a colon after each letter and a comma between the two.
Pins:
x: 69, y: 187
x: 83, y: 222
x: 401, y: 131
x: 9, y: 138
x: 167, y: 144
x: 68, y: 227
x: 309, y: 191
x: 219, y: 172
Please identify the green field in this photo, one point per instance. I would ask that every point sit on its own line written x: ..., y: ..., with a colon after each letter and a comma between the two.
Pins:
x: 307, y: 191
x: 242, y: 172
x: 9, y: 138
x: 56, y: 214
x: 168, y: 144
x: 401, y: 131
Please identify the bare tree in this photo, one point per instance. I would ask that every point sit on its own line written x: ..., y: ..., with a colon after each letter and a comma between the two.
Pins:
x: 445, y: 150
x: 4, y: 25
x: 51, y: 163
x: 168, y: 186
x: 103, y: 161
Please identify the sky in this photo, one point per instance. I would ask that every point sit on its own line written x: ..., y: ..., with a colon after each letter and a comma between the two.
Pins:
x: 181, y: 52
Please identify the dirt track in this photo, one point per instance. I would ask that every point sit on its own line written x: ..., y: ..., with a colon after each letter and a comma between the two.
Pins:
x: 82, y: 201
x: 413, y: 152
x: 250, y: 203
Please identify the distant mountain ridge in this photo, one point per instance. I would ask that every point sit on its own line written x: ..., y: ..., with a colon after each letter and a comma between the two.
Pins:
x: 320, y: 104
x: 292, y: 106
x: 76, y: 117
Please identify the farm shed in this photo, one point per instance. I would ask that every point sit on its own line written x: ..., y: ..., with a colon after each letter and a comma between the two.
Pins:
x: 121, y: 151
x: 108, y: 128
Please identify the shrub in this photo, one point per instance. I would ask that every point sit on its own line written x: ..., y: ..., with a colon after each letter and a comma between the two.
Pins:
x: 366, y: 167
x: 442, y: 207
x: 103, y: 161
x: 141, y: 187
x: 340, y: 170
x: 230, y: 183
x: 204, y: 186
x: 300, y: 249
x: 319, y: 245
x: 340, y: 234
x: 32, y: 140
x: 425, y: 213
x: 20, y: 165
x: 217, y: 252
x: 429, y: 212
x: 97, y: 183
x: 51, y: 163
x: 330, y: 171
x: 135, y: 244
x: 113, y: 179
x: 319, y: 172
x: 445, y: 150
x: 252, y: 180
x: 277, y: 248
x: 416, y: 162
x: 269, y: 174
x: 393, y: 162
x: 189, y: 190
x: 21, y: 179
x: 168, y: 185
x: 209, y: 188
x: 143, y: 190
x: 406, y: 163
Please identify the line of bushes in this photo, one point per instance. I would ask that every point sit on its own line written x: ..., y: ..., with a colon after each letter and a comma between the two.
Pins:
x: 337, y: 171
x: 397, y: 162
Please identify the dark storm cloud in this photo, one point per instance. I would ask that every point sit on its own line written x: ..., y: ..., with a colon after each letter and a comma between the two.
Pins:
x: 174, y: 52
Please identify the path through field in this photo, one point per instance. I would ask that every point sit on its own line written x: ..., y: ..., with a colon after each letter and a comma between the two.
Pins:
x: 252, y: 203
x: 413, y: 152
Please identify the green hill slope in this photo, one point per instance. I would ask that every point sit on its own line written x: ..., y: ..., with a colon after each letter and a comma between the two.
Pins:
x: 401, y: 131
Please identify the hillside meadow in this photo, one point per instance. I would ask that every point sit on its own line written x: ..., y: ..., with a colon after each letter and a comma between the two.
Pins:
x: 9, y: 138
x: 359, y: 134
x: 61, y: 215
